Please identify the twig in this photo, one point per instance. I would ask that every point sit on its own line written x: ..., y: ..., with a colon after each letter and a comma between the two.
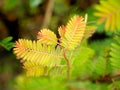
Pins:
x: 48, y: 13
x: 68, y: 65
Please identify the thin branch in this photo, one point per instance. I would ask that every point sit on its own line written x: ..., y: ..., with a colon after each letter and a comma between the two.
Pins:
x: 48, y: 13
x: 68, y: 65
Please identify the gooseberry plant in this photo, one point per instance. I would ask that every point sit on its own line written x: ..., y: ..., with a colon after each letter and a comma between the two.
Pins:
x: 48, y: 53
x: 95, y: 67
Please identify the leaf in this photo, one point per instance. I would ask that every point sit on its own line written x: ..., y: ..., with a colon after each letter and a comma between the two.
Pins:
x: 34, y: 69
x: 115, y: 53
x: 34, y: 3
x: 34, y: 51
x: 6, y: 43
x: 83, y: 62
x: 100, y: 65
x: 90, y: 30
x: 109, y: 12
x: 7, y: 39
x: 57, y: 70
x: 75, y: 30
x: 48, y: 37
x: 62, y: 30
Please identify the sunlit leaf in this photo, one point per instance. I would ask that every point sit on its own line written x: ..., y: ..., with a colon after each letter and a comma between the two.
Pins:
x: 75, y: 30
x: 47, y: 37
x: 109, y: 12
x: 34, y: 51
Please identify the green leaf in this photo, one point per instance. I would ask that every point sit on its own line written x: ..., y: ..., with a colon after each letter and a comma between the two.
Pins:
x: 6, y: 43
x: 102, y: 66
x: 7, y: 39
x: 82, y: 61
x: 34, y: 3
x: 115, y: 53
x: 39, y: 83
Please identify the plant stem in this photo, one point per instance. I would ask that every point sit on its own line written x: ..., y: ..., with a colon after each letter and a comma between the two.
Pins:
x: 68, y: 65
x: 48, y: 13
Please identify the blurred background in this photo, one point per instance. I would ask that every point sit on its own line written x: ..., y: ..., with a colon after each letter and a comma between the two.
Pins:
x: 24, y: 18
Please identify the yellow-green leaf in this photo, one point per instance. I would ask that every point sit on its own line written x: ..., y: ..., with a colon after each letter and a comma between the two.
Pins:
x: 75, y: 30
x: 89, y: 31
x: 34, y: 51
x: 34, y: 69
x: 109, y: 12
x: 47, y: 37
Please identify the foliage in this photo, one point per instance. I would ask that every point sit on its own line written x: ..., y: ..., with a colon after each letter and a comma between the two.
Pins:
x: 46, y: 36
x: 109, y: 12
x: 89, y: 71
x: 88, y: 64
x: 74, y: 32
x: 7, y: 43
x: 115, y: 52
x: 40, y: 56
x: 82, y: 61
x: 42, y: 83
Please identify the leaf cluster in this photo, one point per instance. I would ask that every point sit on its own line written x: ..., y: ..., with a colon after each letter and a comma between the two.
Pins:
x: 93, y: 67
x: 48, y: 53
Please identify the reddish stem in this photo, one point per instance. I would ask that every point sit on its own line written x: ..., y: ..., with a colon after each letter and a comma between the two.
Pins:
x: 68, y: 65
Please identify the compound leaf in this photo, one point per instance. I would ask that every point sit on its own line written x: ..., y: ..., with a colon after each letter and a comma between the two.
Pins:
x: 75, y: 30
x: 34, y: 51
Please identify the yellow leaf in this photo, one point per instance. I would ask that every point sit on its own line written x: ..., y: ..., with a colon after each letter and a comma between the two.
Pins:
x: 34, y: 51
x: 109, y: 12
x: 89, y: 31
x: 34, y: 69
x: 75, y: 30
x: 47, y: 37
